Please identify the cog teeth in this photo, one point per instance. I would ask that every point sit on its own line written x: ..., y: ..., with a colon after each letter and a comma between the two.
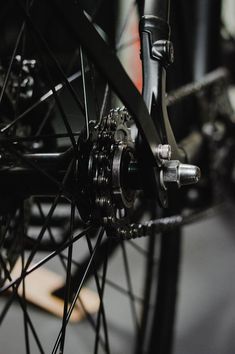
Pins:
x: 103, y: 202
x: 106, y: 137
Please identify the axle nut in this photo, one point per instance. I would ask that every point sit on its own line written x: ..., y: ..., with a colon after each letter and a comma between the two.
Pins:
x: 182, y: 174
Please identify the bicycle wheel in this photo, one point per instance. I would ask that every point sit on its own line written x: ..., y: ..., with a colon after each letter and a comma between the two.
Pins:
x: 67, y: 189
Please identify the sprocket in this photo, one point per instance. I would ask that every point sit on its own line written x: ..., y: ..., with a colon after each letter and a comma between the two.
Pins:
x: 104, y: 161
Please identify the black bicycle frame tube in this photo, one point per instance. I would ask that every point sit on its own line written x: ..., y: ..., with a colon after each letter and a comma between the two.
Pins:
x: 156, y: 56
x: 159, y: 8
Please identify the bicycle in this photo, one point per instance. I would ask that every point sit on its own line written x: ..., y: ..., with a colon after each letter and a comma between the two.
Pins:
x: 103, y: 171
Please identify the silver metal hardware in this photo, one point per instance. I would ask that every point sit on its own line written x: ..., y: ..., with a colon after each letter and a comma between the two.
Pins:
x: 176, y: 172
x: 164, y: 151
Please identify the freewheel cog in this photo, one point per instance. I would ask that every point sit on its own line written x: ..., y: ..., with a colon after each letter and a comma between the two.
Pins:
x: 103, y: 166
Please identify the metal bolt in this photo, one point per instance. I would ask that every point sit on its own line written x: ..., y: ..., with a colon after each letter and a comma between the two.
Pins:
x: 182, y: 174
x: 164, y: 151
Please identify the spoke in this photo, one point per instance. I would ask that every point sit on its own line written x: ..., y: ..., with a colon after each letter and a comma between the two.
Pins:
x: 129, y: 284
x: 26, y: 331
x: 68, y: 281
x: 88, y: 316
x: 105, y: 102
x: 57, y: 343
x: 138, y: 248
x: 42, y: 99
x: 52, y: 105
x: 44, y: 260
x: 50, y: 233
x: 109, y: 282
x: 11, y: 62
x: 27, y: 345
x: 11, y: 147
x: 93, y: 87
x: 122, y: 290
x: 91, y: 322
x: 49, y: 216
x: 77, y: 276
x: 22, y: 305
x: 142, y: 251
x: 62, y: 258
x: 101, y: 299
x: 13, y: 57
x: 84, y: 93
x: 8, y: 226
x: 45, y: 119
x: 58, y: 102
x: 97, y: 338
x: 39, y: 38
x: 6, y: 307
x: 42, y: 232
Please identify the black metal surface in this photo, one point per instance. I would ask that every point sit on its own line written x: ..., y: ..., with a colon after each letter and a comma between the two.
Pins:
x: 158, y: 8
x: 154, y: 91
x: 156, y: 55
